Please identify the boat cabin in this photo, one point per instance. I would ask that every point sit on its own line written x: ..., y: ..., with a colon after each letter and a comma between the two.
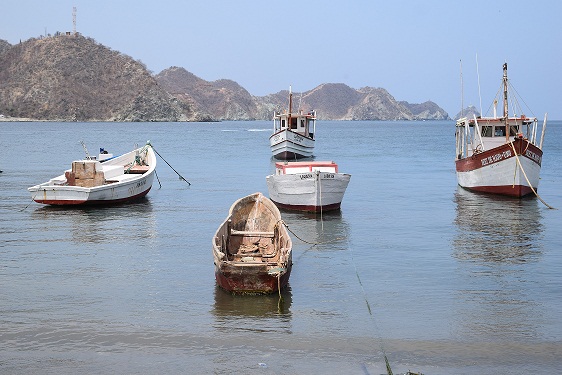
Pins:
x: 483, y: 133
x: 301, y: 123
x: 296, y: 167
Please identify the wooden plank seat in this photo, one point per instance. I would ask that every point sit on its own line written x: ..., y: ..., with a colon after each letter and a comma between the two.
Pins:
x: 138, y: 169
x: 244, y: 233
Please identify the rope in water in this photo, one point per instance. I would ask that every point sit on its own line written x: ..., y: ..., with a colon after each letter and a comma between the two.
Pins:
x: 525, y: 175
x: 305, y: 241
x: 388, y: 369
x: 180, y: 176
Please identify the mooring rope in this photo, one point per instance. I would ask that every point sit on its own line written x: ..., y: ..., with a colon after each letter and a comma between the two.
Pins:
x: 525, y: 175
x: 181, y: 177
x: 32, y: 200
x: 305, y: 241
x: 388, y: 369
x: 156, y: 174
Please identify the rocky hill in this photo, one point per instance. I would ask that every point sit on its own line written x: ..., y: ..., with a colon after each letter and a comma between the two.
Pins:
x: 70, y: 77
x: 226, y: 100
x: 73, y: 78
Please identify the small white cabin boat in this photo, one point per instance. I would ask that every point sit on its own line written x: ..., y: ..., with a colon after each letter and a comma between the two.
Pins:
x: 103, y: 181
x: 293, y: 133
x: 310, y: 186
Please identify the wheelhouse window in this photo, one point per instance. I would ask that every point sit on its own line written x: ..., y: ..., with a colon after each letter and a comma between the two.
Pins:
x: 499, y: 131
x: 294, y: 123
x: 282, y: 123
x: 486, y: 131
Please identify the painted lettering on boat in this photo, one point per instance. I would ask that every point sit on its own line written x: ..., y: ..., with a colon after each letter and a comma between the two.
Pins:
x: 297, y: 137
x: 496, y: 157
x: 137, y: 186
x: 306, y: 176
x: 531, y: 155
x: 329, y: 175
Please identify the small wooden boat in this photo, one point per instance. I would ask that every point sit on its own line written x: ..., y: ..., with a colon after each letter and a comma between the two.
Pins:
x: 293, y: 133
x: 499, y: 155
x: 252, y: 249
x: 103, y: 180
x: 310, y: 186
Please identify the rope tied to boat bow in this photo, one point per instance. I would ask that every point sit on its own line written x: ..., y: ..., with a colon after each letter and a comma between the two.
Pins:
x: 527, y: 179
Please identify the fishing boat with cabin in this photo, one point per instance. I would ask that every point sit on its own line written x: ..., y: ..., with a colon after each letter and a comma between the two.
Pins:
x: 309, y: 186
x: 500, y: 155
x: 252, y: 250
x: 101, y: 180
x: 293, y: 133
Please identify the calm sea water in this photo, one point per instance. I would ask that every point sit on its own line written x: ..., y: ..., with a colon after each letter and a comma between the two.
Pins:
x: 441, y: 280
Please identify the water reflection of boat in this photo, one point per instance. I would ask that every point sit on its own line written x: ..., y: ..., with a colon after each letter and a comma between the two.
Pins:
x: 497, y: 245
x: 496, y: 228
x: 88, y: 224
x: 266, y: 313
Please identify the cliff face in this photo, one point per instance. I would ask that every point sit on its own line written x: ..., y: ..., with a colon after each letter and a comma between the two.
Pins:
x: 73, y: 78
x: 70, y: 77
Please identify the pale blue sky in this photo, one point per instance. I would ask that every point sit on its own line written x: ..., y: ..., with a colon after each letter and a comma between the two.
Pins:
x: 411, y: 48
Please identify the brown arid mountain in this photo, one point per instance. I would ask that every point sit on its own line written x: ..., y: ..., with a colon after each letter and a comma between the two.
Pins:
x: 220, y: 100
x: 226, y: 100
x: 74, y: 78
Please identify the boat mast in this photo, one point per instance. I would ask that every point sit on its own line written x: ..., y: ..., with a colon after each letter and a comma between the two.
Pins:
x: 290, y: 106
x: 505, y: 113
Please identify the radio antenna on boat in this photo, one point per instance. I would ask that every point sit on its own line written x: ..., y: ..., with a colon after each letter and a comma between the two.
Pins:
x: 85, y: 149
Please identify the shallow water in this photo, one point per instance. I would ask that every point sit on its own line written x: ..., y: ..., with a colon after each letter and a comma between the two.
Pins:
x: 440, y: 279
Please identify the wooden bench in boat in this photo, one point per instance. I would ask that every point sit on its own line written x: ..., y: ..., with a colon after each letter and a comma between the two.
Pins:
x: 244, y: 233
x: 138, y: 169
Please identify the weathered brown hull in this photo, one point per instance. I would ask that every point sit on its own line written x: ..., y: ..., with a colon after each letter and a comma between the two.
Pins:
x: 242, y: 279
x: 252, y: 249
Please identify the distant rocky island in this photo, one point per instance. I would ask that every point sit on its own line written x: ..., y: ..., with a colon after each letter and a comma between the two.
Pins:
x: 74, y: 78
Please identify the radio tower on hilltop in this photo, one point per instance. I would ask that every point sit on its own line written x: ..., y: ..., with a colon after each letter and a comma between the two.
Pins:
x: 73, y: 20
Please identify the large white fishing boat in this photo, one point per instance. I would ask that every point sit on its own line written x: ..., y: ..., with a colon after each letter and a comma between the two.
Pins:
x: 500, y: 155
x: 293, y: 133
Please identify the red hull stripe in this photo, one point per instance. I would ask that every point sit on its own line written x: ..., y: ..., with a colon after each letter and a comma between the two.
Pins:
x: 516, y: 191
x: 97, y: 202
x: 308, y: 208
x: 503, y: 152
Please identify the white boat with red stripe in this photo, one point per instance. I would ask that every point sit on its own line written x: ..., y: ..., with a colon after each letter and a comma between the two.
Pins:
x: 500, y: 155
x: 309, y: 186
